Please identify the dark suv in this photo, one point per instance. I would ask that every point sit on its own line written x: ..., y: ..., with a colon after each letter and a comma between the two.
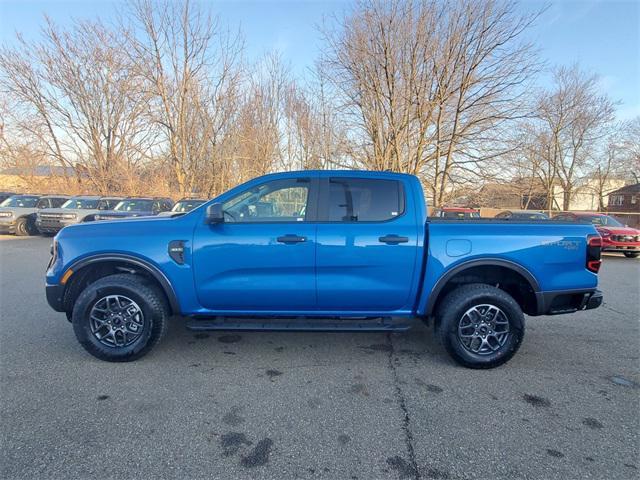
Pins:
x: 18, y: 213
x: 136, y: 207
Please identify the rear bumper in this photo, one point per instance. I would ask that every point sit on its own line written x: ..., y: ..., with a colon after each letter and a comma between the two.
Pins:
x: 55, y: 295
x: 568, y: 301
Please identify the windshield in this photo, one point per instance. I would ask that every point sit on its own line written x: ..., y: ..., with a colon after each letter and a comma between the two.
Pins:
x: 604, y: 220
x: 81, y: 203
x: 134, y: 206
x: 186, y: 206
x: 20, y: 201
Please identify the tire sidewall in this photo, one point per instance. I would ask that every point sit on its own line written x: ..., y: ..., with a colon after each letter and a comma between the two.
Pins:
x: 454, y: 345
x: 22, y: 227
x: 82, y: 327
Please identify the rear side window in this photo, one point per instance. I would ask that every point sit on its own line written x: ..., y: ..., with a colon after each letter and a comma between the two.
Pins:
x: 364, y: 200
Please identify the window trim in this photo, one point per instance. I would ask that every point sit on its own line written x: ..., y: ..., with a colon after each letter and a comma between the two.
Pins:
x: 323, y: 203
x: 312, y: 202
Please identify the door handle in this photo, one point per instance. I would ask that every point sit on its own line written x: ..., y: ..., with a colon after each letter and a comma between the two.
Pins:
x: 393, y: 239
x: 291, y: 239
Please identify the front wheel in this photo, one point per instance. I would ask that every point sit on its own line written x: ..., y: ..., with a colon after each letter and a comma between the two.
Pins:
x: 480, y: 325
x: 120, y: 318
x: 631, y: 254
x: 25, y: 227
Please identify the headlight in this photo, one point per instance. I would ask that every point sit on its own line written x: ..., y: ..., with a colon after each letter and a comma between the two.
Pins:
x: 69, y: 216
x: 6, y: 214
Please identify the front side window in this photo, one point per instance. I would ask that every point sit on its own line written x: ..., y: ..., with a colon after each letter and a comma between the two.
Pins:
x: 108, y: 203
x: 364, y: 200
x: 43, y: 203
x: 276, y: 201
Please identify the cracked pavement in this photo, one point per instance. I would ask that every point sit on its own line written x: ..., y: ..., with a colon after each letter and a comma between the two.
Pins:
x: 317, y: 405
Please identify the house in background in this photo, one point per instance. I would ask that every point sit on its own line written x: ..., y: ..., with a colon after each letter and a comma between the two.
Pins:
x: 626, y: 203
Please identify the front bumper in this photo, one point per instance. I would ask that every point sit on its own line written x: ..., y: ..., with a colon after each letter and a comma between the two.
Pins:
x: 568, y: 301
x: 51, y: 226
x: 55, y: 297
x: 621, y: 247
x: 8, y: 226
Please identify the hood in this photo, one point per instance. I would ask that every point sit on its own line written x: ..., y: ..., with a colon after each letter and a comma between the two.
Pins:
x: 18, y: 211
x: 81, y: 211
x: 122, y: 228
x: 119, y: 214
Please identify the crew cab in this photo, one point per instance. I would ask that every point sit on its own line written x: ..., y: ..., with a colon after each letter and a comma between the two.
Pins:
x: 18, y: 212
x: 75, y: 210
x: 320, y: 250
x: 616, y: 237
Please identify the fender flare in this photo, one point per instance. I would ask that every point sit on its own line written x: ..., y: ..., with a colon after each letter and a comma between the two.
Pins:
x: 486, y: 262
x: 148, y: 267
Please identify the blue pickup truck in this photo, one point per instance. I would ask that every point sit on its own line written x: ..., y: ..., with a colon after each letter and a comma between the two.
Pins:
x: 326, y: 251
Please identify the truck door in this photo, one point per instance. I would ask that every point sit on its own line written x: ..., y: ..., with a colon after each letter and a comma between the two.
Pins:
x: 262, y: 257
x: 367, y: 246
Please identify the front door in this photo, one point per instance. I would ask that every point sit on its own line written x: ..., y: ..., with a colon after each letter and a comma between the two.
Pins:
x: 262, y: 257
x: 367, y: 246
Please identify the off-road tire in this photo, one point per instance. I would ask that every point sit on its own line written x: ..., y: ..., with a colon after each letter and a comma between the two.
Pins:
x: 452, y: 309
x: 145, y: 294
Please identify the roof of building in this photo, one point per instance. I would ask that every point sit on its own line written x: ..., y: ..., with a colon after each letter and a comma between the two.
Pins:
x: 627, y: 189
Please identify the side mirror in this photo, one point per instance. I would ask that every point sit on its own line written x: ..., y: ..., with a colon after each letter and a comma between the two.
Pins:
x: 215, y: 214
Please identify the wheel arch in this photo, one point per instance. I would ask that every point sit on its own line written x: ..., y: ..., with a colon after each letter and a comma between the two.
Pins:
x: 113, y: 263
x: 487, y: 271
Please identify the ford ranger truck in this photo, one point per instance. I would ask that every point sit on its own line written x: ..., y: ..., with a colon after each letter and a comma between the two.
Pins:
x: 323, y: 251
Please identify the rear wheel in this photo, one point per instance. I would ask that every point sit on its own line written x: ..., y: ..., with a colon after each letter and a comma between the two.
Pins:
x: 24, y: 227
x: 120, y: 318
x: 480, y: 325
x: 631, y: 254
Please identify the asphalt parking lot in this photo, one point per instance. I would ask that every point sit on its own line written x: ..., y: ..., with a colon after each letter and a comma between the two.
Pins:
x: 317, y: 405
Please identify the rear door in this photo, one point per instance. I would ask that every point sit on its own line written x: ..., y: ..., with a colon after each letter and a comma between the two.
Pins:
x: 367, y: 245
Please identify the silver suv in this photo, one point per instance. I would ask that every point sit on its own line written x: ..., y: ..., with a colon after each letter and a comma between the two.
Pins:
x: 18, y: 212
x: 75, y: 210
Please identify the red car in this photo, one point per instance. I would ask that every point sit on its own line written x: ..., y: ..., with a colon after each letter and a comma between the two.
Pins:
x: 455, y: 213
x: 616, y: 237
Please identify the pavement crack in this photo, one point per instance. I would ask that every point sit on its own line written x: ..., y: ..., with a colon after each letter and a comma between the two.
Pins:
x: 399, y: 394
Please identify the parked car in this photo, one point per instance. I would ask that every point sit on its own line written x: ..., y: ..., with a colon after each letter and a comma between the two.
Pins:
x: 5, y: 195
x: 458, y: 213
x: 75, y: 210
x: 320, y: 250
x: 183, y: 206
x: 18, y: 213
x: 522, y: 215
x: 136, y: 207
x: 616, y: 237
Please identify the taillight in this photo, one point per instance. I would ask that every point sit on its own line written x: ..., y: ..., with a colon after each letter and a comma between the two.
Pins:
x: 594, y: 247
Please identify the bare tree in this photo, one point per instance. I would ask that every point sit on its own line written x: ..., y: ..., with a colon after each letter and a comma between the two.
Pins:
x: 427, y: 86
x: 189, y: 66
x: 76, y: 95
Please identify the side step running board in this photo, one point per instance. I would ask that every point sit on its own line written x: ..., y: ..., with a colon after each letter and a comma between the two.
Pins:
x: 300, y: 325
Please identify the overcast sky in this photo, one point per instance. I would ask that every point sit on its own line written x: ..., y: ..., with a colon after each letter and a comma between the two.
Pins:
x: 603, y: 36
